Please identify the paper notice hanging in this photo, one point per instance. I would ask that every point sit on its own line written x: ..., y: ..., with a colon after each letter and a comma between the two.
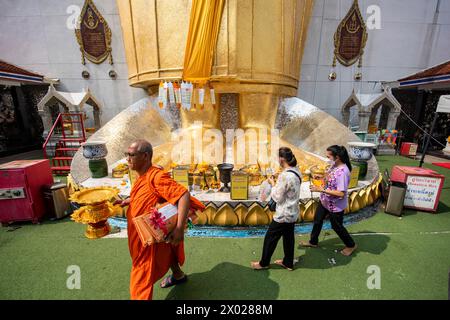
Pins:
x: 177, y: 91
x: 194, y: 99
x: 182, y: 93
x: 213, y: 97
x: 162, y: 97
x: 165, y: 94
x: 171, y: 93
x: 189, y: 98
x: 186, y: 95
x: 160, y: 94
x: 201, y: 97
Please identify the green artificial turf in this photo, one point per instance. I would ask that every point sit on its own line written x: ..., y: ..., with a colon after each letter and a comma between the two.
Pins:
x: 412, y: 254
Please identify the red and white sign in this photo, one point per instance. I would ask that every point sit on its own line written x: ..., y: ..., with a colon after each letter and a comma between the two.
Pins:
x: 423, y: 187
x: 422, y: 192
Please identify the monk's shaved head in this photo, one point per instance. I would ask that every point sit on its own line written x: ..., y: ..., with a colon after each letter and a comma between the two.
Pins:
x: 143, y: 146
x: 139, y: 155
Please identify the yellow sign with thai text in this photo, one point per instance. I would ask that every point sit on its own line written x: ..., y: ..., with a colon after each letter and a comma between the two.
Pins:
x: 181, y: 176
x: 239, y: 186
x: 354, y: 178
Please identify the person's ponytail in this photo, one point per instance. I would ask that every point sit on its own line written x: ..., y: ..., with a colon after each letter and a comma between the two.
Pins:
x: 341, y: 152
x: 288, y: 155
x: 293, y: 161
x: 345, y: 158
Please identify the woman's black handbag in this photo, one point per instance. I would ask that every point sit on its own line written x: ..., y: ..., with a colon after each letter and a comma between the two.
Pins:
x: 272, y: 203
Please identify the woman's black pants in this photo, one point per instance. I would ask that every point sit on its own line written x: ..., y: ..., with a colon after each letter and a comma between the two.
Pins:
x: 274, y: 233
x: 337, y: 223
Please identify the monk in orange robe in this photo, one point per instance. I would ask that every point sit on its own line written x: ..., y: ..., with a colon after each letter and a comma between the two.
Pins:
x: 153, y: 186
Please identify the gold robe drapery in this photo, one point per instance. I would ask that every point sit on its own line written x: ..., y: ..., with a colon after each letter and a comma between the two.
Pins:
x: 203, y: 32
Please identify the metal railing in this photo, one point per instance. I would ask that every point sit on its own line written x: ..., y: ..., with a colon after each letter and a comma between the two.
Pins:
x: 58, y: 128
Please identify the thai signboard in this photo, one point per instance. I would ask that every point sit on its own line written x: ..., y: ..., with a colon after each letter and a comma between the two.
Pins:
x: 93, y: 35
x: 350, y: 37
x: 422, y: 192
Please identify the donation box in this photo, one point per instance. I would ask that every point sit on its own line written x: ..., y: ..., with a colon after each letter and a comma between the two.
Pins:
x: 21, y: 194
x: 423, y: 187
x: 408, y: 149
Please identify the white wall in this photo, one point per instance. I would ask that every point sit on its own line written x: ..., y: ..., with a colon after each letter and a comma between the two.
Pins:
x: 34, y: 35
x: 414, y: 35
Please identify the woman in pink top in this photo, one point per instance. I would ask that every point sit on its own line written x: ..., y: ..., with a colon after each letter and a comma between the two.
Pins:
x: 333, y: 199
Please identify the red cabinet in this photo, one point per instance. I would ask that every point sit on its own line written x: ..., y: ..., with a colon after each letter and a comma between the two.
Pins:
x: 21, y: 184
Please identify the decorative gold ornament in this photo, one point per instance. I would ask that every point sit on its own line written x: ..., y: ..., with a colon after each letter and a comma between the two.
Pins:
x: 256, y: 216
x: 358, y: 76
x: 302, y: 210
x: 202, y: 218
x: 93, y: 196
x: 225, y: 216
x: 241, y: 212
x: 96, y: 209
x: 210, y: 212
x: 310, y: 211
x: 368, y: 198
x: 332, y: 76
x: 269, y: 213
x: 93, y: 35
x: 362, y: 198
x: 350, y: 38
x: 85, y: 74
x: 375, y: 191
x: 120, y: 170
x: 354, y: 202
x: 112, y: 74
x: 72, y: 186
x: 347, y: 209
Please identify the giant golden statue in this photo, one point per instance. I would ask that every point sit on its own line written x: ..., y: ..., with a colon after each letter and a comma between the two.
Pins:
x: 249, y: 51
x: 259, y: 45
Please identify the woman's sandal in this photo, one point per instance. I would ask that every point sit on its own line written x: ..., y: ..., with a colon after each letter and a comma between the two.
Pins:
x: 171, y: 281
x: 256, y: 266
x: 280, y: 263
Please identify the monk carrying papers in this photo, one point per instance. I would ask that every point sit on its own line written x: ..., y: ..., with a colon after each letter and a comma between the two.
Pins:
x: 154, y: 186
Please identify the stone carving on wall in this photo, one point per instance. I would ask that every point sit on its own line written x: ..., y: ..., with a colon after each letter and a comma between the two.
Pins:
x: 7, y: 117
x: 93, y: 35
x: 7, y: 114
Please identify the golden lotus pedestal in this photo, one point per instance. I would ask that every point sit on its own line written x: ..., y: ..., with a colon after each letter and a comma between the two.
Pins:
x: 220, y: 211
x: 96, y: 210
x: 97, y: 230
